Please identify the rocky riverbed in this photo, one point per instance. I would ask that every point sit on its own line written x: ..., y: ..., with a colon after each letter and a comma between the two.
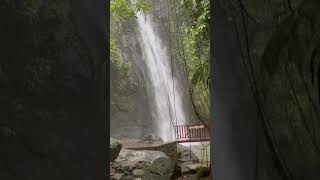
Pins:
x: 156, y: 163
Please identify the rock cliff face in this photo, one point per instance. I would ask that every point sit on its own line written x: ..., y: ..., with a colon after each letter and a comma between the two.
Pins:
x: 132, y: 115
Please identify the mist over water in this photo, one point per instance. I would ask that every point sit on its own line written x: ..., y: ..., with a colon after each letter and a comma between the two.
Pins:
x: 167, y: 104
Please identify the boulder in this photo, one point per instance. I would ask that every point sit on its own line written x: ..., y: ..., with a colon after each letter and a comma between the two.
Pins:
x: 203, y: 172
x: 149, y: 176
x: 115, y: 165
x: 195, y: 169
x: 137, y: 173
x: 115, y: 148
x: 132, y: 166
x: 136, y: 156
x: 126, y: 177
x: 116, y: 176
x: 140, y: 164
x: 186, y: 155
x: 151, y: 138
x: 162, y: 168
x: 169, y: 149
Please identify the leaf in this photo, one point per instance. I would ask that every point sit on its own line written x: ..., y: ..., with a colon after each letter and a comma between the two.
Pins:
x: 201, y: 73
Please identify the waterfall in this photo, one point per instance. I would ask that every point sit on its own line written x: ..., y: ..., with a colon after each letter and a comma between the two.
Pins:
x: 167, y: 102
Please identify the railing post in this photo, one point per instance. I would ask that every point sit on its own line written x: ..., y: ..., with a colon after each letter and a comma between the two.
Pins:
x: 187, y: 131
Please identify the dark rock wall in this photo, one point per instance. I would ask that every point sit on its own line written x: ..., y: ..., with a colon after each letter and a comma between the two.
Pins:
x: 69, y: 141
x: 131, y: 115
x: 240, y: 150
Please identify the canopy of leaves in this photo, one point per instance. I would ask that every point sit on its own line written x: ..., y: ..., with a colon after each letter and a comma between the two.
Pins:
x: 195, y: 37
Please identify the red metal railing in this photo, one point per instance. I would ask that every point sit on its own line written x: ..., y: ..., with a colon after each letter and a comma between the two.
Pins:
x: 192, y: 133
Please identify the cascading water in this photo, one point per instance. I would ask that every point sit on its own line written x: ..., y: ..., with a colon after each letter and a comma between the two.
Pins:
x: 167, y: 102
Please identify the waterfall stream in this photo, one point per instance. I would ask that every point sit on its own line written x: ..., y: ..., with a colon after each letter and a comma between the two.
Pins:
x: 167, y: 102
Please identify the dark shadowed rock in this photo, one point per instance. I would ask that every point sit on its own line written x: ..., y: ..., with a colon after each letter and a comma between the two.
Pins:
x: 203, y: 172
x: 6, y: 131
x: 115, y: 148
x: 185, y: 154
x: 140, y: 164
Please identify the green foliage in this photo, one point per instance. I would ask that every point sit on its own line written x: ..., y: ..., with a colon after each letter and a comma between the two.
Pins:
x: 142, y: 5
x: 121, y: 12
x: 114, y: 53
x: 196, y: 38
x: 196, y: 42
x: 201, y: 73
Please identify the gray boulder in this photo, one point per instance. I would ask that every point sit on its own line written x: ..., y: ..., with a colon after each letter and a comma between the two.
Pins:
x: 151, y: 138
x: 117, y: 176
x: 115, y: 148
x: 127, y: 155
x: 161, y: 169
x: 138, y: 173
